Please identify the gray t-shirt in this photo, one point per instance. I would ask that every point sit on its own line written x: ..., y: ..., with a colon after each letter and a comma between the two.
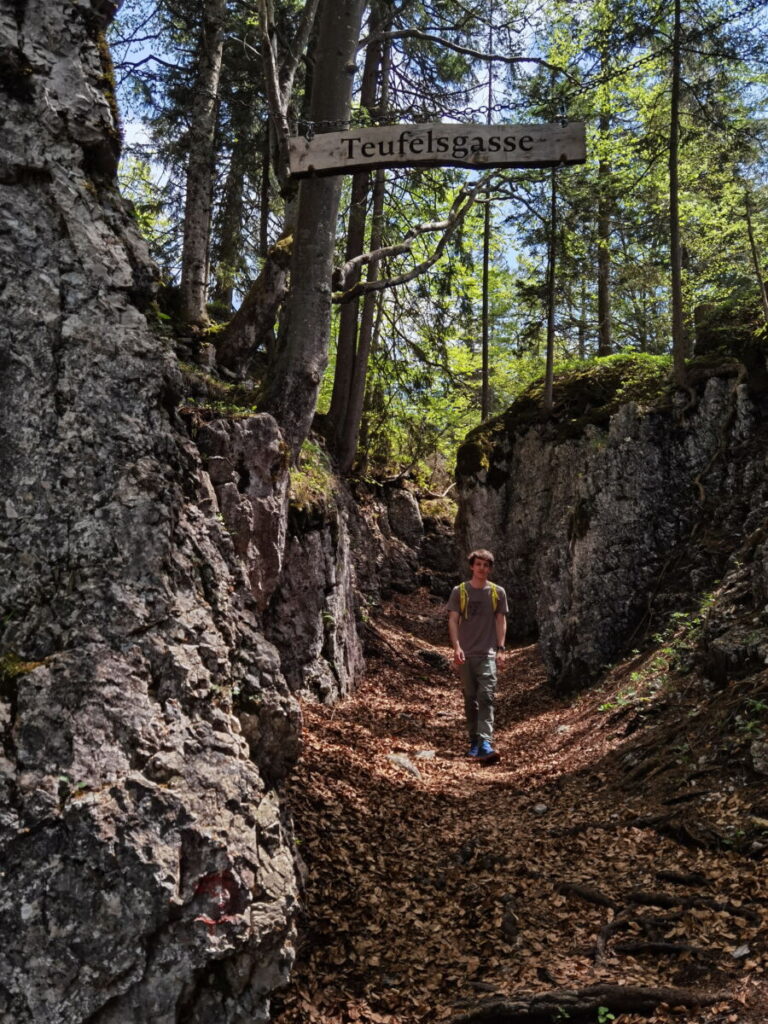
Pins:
x: 477, y: 632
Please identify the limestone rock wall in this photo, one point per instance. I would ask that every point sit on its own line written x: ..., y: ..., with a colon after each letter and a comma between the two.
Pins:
x: 396, y: 550
x: 148, y: 871
x: 313, y: 617
x: 591, y: 527
x: 247, y: 465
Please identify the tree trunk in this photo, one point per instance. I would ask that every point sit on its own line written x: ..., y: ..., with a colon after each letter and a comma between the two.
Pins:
x: 676, y: 254
x: 350, y: 428
x: 485, y: 401
x: 229, y: 249
x: 756, y: 258
x: 201, y: 168
x: 583, y: 321
x: 605, y: 332
x: 295, y: 380
x: 348, y: 341
x: 551, y: 276
x: 353, y: 418
x: 252, y: 327
x: 264, y: 193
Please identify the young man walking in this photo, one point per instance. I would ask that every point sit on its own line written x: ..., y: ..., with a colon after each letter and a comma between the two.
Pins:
x: 477, y: 626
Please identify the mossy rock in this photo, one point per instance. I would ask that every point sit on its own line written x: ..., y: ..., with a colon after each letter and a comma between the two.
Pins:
x: 313, y: 485
x: 11, y: 668
x: 589, y: 393
x: 213, y: 398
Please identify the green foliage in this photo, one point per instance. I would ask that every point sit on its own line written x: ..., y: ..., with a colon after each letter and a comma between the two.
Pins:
x: 584, y: 393
x: 438, y: 508
x: 674, y: 646
x: 148, y: 202
x: 423, y: 392
x: 753, y: 717
x: 313, y: 483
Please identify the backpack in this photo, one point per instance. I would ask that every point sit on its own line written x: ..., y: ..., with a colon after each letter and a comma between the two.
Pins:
x: 464, y: 599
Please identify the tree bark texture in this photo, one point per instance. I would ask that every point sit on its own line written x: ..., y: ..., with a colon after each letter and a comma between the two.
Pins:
x: 142, y: 844
x: 346, y: 345
x: 201, y: 167
x: 291, y: 394
x: 360, y: 332
x: 227, y: 258
x: 252, y: 327
x: 371, y: 302
x: 551, y: 281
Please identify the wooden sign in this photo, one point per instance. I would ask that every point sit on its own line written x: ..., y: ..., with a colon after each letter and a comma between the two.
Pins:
x: 434, y: 145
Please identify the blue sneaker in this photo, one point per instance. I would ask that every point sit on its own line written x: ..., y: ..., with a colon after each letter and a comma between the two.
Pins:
x: 473, y: 750
x: 485, y: 752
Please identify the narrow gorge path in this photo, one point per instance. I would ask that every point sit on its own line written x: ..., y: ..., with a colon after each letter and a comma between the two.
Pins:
x: 436, y: 887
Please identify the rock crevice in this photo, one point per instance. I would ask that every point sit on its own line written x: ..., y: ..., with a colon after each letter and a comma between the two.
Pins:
x: 600, y: 528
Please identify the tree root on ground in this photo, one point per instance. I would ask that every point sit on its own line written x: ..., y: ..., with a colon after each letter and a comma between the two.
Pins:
x: 587, y: 893
x: 659, y: 948
x: 623, y: 917
x: 583, y: 1005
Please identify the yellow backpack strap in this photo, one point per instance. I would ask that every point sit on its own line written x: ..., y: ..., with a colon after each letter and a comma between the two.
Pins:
x: 463, y: 600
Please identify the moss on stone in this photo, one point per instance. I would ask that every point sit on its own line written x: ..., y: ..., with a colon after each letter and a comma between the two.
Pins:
x: 11, y: 665
x: 586, y: 394
x: 472, y: 456
x: 11, y: 668
x: 108, y: 84
x: 438, y: 508
x: 211, y: 393
x: 313, y: 483
x: 589, y: 393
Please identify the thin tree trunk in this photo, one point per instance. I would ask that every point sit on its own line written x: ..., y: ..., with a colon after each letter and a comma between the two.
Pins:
x: 485, y: 401
x: 756, y: 258
x: 347, y: 341
x: 551, y: 268
x: 227, y: 255
x: 291, y: 395
x: 252, y: 326
x: 200, y: 168
x: 348, y: 445
x: 264, y: 194
x: 583, y: 321
x: 347, y: 437
x: 605, y: 327
x: 676, y: 255
x: 485, y: 395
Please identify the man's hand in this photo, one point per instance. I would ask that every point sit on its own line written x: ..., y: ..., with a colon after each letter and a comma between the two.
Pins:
x: 458, y: 656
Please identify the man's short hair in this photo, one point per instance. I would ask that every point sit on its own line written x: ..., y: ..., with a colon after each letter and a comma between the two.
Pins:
x: 480, y: 553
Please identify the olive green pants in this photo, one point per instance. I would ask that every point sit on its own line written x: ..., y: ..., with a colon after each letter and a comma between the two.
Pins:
x: 478, y: 679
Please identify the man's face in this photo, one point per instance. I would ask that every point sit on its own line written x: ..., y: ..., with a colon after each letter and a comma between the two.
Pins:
x: 481, y: 568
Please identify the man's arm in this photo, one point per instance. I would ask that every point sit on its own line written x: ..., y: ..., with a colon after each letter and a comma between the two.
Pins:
x: 501, y: 628
x: 453, y: 633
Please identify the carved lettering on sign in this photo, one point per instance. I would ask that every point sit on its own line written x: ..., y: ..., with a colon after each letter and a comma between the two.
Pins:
x: 458, y: 145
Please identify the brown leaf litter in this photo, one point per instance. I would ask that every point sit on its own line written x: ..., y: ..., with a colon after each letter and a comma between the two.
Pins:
x: 593, y: 858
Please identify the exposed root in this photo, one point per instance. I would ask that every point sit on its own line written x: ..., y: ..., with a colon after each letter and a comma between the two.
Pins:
x: 581, y: 1006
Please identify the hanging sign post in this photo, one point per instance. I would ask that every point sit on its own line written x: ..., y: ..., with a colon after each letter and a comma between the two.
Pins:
x: 435, y: 145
